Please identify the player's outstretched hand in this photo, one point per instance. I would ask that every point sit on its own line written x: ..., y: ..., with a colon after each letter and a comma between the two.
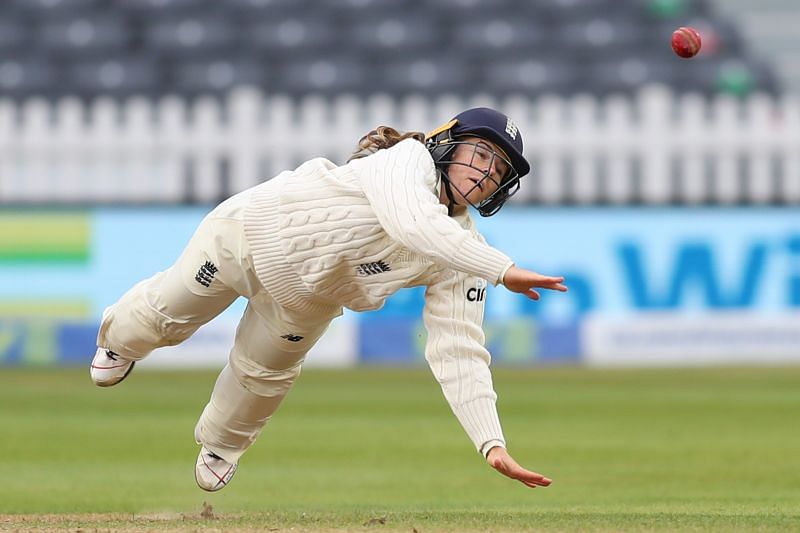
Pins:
x: 500, y: 460
x: 525, y: 282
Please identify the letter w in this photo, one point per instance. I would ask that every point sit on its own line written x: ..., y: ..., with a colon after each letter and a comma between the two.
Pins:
x: 694, y: 270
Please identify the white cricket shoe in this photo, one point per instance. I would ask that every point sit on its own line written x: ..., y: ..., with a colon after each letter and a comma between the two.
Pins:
x: 212, y: 472
x: 109, y: 368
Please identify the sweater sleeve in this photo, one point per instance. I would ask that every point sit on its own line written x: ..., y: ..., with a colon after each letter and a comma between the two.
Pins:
x: 453, y: 316
x: 400, y: 185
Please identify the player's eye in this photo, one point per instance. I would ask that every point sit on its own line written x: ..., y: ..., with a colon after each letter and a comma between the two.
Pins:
x: 502, y: 168
x: 483, y: 151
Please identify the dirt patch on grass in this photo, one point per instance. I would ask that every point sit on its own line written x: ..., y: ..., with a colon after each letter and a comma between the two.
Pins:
x: 205, y: 520
x: 208, y: 519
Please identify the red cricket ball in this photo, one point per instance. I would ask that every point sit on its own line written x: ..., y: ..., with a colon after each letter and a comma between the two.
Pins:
x: 686, y: 41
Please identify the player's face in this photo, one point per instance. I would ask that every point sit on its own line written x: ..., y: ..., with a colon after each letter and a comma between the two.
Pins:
x: 477, y: 170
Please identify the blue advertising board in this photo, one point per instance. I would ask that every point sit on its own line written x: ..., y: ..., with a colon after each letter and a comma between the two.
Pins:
x: 626, y: 261
x: 621, y: 264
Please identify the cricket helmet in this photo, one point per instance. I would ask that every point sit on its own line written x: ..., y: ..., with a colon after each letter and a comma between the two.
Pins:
x: 490, y: 125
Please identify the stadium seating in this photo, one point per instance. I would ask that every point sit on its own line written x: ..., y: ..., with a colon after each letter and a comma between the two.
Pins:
x: 424, y: 74
x: 26, y: 75
x: 333, y: 74
x: 290, y: 37
x: 364, y: 46
x: 552, y: 74
x: 187, y: 36
x: 151, y: 9
x: 117, y: 76
x: 13, y: 36
x: 202, y: 76
x: 84, y: 37
x: 51, y: 8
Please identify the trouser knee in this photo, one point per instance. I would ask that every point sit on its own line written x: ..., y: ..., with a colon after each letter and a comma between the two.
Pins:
x: 133, y: 327
x: 265, y: 381
x: 265, y: 358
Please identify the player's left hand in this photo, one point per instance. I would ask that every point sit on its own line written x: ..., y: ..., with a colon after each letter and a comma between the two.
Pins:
x: 499, y: 459
x: 526, y: 282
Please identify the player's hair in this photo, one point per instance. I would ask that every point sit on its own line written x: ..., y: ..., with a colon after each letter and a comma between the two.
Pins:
x: 382, y: 137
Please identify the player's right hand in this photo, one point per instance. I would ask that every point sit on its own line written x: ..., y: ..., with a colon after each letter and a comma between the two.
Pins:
x: 525, y: 282
x: 500, y: 460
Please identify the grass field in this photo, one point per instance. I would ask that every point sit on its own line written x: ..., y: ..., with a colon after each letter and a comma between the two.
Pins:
x: 378, y: 450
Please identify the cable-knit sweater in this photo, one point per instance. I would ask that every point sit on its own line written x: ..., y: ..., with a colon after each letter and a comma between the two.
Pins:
x: 325, y: 236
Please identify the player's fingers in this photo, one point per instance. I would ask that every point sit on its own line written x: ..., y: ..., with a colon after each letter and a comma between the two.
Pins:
x: 553, y: 285
x: 532, y: 294
x: 532, y: 483
x: 559, y: 288
x: 510, y: 468
x: 527, y: 476
x: 527, y: 482
x: 548, y: 280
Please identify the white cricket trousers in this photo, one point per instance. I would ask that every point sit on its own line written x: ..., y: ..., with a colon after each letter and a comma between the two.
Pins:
x: 271, y: 341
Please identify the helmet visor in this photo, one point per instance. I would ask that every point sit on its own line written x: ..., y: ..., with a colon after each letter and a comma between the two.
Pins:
x: 498, y: 177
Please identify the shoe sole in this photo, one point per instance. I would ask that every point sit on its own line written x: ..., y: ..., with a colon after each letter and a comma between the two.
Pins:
x: 201, y: 487
x: 221, y: 485
x: 112, y: 383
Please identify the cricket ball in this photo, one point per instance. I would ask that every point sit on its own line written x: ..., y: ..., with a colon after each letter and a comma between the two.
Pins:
x: 686, y: 42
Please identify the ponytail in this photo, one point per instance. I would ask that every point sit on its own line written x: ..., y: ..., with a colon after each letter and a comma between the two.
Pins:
x: 380, y: 138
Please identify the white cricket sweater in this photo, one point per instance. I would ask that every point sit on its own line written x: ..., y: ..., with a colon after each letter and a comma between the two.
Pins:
x: 326, y: 236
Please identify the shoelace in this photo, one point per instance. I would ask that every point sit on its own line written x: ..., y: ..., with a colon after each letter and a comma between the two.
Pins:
x: 215, y: 456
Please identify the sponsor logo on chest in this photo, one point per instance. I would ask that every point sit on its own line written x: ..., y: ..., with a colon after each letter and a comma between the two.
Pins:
x: 478, y: 292
x: 368, y: 269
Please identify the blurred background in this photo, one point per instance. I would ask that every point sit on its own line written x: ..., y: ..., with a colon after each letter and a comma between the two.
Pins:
x: 665, y: 190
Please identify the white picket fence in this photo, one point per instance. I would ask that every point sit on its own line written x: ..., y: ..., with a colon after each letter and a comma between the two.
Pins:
x: 656, y: 148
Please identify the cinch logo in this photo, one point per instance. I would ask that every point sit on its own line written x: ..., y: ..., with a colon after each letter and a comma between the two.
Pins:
x: 478, y: 293
x: 292, y: 338
x: 206, y: 273
x: 368, y: 269
x: 511, y: 129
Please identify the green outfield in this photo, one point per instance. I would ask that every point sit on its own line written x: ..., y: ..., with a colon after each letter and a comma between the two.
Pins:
x: 378, y: 450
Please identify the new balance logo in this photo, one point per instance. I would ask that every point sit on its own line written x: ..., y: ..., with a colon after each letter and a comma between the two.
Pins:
x: 368, y: 269
x: 511, y: 129
x: 292, y: 338
x: 206, y: 274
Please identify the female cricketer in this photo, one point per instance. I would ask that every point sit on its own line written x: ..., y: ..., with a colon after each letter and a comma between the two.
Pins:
x: 310, y: 241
